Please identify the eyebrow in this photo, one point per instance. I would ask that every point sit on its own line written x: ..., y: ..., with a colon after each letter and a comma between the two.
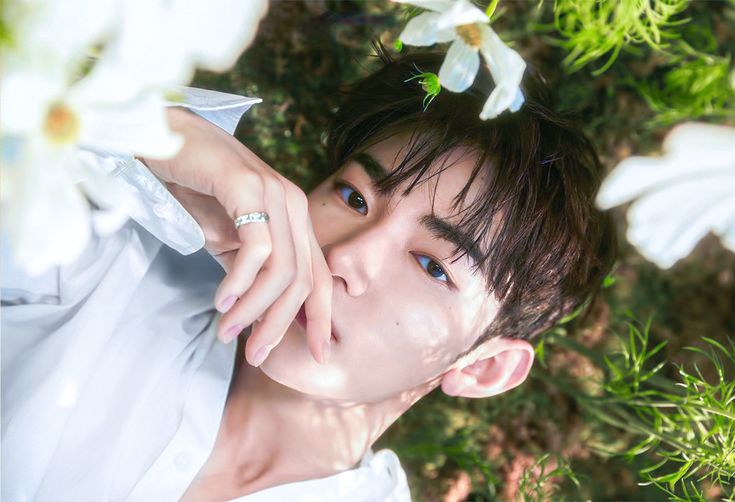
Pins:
x: 439, y: 228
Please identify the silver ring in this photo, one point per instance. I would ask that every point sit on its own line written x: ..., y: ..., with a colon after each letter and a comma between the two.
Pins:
x: 256, y: 217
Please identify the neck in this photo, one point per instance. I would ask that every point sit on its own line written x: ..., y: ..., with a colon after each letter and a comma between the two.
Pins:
x: 272, y: 435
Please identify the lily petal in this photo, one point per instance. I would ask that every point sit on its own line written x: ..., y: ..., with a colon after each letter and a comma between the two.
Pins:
x: 517, y: 102
x: 229, y: 29
x: 690, y: 152
x: 161, y: 42
x: 460, y: 67
x: 666, y: 224
x: 461, y: 12
x: 47, y: 217
x: 708, y: 143
x: 423, y: 31
x: 507, y: 68
x: 680, y: 196
x: 139, y: 126
x: 25, y: 98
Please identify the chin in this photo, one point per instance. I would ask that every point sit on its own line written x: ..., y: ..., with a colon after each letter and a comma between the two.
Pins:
x: 292, y: 365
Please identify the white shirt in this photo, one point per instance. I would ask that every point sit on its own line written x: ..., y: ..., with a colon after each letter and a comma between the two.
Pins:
x: 113, y: 382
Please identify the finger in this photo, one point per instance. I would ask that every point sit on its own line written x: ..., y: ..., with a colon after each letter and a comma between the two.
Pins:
x: 243, y: 195
x: 318, y: 306
x: 281, y: 314
x: 226, y: 259
x: 273, y: 326
x: 255, y: 249
x: 276, y: 274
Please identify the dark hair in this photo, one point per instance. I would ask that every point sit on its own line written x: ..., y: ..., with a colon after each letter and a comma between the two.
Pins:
x: 544, y: 247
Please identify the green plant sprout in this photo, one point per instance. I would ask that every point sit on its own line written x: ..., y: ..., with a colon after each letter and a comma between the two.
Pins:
x: 593, y: 29
x: 430, y: 84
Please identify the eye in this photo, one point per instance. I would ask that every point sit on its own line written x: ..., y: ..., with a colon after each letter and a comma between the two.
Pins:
x: 433, y: 268
x: 351, y: 197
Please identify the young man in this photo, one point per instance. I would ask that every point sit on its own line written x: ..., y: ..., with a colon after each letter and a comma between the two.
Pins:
x: 438, y: 247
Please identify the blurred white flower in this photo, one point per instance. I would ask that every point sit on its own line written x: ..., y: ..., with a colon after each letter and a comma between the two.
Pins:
x: 55, y: 102
x: 680, y: 196
x: 45, y: 211
x: 161, y: 42
x: 466, y: 26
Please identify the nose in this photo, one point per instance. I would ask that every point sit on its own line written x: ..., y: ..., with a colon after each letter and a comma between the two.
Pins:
x: 359, y: 256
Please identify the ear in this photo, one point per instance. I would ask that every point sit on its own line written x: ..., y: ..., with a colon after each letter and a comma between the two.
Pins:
x: 500, y: 365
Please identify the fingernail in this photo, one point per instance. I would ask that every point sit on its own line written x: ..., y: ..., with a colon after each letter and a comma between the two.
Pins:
x: 227, y: 303
x: 326, y: 351
x: 261, y: 354
x: 232, y: 332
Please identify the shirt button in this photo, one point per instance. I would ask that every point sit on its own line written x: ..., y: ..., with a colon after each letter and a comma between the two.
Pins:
x: 182, y: 461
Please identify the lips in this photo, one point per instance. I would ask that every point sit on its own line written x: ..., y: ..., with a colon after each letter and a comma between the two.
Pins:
x: 301, y: 319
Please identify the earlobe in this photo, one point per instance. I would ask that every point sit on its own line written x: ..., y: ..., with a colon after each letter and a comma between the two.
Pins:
x: 504, y: 365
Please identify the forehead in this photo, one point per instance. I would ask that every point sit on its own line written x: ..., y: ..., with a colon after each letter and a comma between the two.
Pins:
x: 440, y: 184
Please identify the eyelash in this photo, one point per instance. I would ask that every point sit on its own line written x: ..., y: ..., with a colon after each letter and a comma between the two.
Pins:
x: 340, y: 186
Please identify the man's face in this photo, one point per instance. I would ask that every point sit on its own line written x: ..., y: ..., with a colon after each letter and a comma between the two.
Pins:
x: 402, y: 310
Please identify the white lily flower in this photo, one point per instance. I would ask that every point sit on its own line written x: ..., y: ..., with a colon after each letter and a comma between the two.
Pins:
x: 48, y: 114
x: 162, y: 42
x: 466, y: 26
x: 44, y: 119
x: 45, y: 211
x: 680, y: 196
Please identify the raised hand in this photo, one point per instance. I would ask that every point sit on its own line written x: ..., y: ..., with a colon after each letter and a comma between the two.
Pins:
x: 272, y: 268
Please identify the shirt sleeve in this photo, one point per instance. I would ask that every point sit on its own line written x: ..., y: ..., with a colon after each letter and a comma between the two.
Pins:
x: 153, y: 207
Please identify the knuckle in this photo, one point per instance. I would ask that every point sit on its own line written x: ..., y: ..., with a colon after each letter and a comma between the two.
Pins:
x: 304, y: 286
x: 298, y: 200
x: 253, y: 180
x: 303, y: 202
x: 288, y: 277
x: 274, y: 187
x: 261, y: 251
x: 283, y: 278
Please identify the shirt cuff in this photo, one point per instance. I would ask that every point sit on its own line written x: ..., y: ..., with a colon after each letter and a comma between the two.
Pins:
x: 154, y: 208
x: 221, y: 109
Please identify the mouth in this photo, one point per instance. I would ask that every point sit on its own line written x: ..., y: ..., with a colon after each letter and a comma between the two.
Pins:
x: 301, y: 319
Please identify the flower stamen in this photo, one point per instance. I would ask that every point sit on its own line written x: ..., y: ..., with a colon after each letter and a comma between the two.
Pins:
x: 62, y: 125
x: 470, y: 34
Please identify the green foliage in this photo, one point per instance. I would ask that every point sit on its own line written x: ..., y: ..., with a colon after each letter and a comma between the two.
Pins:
x: 688, y: 424
x: 692, y: 425
x: 690, y: 89
x: 6, y: 36
x: 539, y: 482
x: 490, y: 10
x: 594, y: 29
x: 678, y: 39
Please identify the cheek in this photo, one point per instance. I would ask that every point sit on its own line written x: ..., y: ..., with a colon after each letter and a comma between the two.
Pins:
x: 398, y: 349
x: 409, y: 343
x: 322, y: 211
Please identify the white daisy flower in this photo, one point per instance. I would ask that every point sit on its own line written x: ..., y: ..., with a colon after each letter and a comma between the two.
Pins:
x: 680, y: 196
